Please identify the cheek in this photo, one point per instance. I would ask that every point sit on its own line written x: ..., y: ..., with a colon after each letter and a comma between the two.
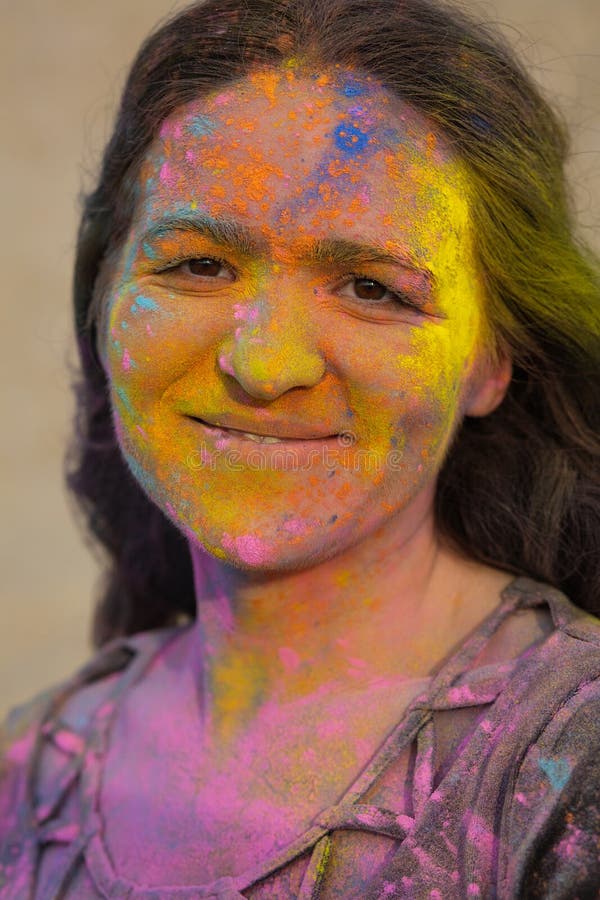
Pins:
x: 150, y: 343
x: 416, y: 375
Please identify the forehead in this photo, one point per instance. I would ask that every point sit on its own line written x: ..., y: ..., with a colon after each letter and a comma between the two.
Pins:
x: 331, y: 151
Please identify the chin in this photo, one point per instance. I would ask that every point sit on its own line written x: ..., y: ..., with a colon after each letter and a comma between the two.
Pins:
x: 268, y: 549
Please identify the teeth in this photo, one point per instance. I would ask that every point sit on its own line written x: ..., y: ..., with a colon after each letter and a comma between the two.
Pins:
x: 261, y: 438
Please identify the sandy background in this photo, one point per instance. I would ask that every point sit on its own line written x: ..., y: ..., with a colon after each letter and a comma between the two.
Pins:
x: 62, y: 63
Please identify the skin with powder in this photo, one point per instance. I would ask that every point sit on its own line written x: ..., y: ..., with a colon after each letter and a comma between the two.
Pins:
x: 300, y: 265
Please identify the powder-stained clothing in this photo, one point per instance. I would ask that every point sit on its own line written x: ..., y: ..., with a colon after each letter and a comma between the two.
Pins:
x: 489, y: 786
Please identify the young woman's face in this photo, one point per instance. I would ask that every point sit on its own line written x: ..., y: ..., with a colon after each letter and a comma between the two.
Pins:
x: 300, y: 266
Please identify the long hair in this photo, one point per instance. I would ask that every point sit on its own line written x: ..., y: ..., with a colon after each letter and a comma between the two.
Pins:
x: 519, y: 488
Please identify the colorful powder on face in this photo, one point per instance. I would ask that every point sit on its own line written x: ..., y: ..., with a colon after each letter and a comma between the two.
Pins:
x: 248, y: 547
x: 166, y: 175
x: 289, y: 658
x: 201, y: 125
x: 353, y: 88
x: 145, y: 302
x: 350, y: 139
x: 296, y: 526
x: 299, y: 188
x: 127, y: 361
x: 124, y: 397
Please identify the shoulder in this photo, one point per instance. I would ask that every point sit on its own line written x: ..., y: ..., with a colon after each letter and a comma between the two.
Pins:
x: 57, y: 718
x: 552, y: 833
x: 567, y: 617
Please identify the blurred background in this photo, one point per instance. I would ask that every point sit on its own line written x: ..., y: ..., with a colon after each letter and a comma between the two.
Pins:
x: 62, y: 66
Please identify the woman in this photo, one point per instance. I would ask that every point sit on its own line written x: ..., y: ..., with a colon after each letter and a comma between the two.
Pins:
x: 337, y: 408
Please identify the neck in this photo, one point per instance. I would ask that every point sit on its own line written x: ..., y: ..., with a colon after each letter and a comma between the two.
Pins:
x: 387, y: 608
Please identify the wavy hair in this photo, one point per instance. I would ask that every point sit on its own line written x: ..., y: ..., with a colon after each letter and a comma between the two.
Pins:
x: 519, y: 489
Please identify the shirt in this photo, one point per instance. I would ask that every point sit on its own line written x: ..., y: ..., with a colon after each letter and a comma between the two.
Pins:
x: 488, y: 786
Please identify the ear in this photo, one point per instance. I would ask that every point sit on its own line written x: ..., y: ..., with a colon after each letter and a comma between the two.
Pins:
x: 489, y: 385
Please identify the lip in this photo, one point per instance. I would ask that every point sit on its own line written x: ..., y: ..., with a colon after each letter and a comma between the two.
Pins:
x: 226, y: 426
x: 285, y: 455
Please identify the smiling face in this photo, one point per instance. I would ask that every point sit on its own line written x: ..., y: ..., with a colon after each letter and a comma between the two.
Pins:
x: 300, y: 265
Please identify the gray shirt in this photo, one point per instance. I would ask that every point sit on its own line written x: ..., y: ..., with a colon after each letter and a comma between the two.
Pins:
x: 488, y: 786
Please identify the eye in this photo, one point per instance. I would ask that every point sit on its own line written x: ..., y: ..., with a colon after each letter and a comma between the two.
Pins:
x: 207, y: 267
x: 370, y: 291
x: 192, y: 273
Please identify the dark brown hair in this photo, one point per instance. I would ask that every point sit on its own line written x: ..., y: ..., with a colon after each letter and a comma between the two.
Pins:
x: 519, y: 488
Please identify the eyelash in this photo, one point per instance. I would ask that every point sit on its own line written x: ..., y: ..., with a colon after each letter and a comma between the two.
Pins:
x: 396, y: 297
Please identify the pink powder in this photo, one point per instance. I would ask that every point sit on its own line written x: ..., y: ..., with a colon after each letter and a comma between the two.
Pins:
x: 371, y: 819
x: 149, y: 330
x: 462, y: 694
x: 289, y: 658
x: 481, y: 835
x: 473, y: 890
x: 68, y: 741
x: 329, y: 728
x: 356, y: 662
x: 225, y: 364
x: 567, y: 847
x: 126, y: 360
x: 249, y: 548
x: 166, y: 175
x: 296, y: 526
x: 245, y: 313
x: 405, y: 822
x: 223, y: 99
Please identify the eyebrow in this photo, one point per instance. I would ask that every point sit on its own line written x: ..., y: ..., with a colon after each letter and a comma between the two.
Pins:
x: 250, y: 241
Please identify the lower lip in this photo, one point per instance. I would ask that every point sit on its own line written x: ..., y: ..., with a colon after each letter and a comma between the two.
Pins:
x: 285, y: 454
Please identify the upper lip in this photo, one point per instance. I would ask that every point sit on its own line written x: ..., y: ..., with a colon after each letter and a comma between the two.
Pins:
x: 292, y: 430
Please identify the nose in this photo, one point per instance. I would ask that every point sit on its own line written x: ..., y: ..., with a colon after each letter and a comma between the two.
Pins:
x: 272, y: 351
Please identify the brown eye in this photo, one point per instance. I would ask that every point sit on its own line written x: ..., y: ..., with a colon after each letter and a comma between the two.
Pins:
x: 211, y: 268
x: 367, y: 289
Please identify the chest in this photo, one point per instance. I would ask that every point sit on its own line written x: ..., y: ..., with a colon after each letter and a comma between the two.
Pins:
x: 175, y: 807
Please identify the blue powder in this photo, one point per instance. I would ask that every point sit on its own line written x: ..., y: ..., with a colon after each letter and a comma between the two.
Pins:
x: 124, y: 325
x: 126, y: 401
x: 350, y: 139
x: 149, y: 251
x: 201, y: 125
x: 146, y: 302
x: 557, y: 770
x: 352, y: 88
